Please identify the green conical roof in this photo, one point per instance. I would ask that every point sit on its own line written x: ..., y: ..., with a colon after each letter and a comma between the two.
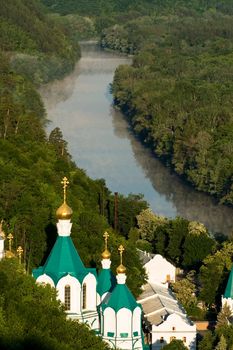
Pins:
x: 106, y: 281
x: 120, y: 298
x: 63, y: 259
x: 229, y: 288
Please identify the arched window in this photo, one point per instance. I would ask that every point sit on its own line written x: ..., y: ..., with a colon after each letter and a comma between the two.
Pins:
x: 84, y: 296
x: 67, y: 297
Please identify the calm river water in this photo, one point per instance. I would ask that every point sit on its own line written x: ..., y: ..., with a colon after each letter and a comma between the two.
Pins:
x: 101, y: 143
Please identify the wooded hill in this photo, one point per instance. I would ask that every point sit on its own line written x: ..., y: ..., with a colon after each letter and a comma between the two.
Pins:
x: 178, y: 92
x: 38, y: 46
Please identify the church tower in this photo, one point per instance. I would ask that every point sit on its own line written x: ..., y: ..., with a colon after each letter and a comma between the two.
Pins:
x: 106, y: 279
x: 65, y: 271
x: 121, y: 315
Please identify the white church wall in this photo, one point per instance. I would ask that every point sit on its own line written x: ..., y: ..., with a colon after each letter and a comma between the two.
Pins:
x: 159, y: 270
x: 124, y: 322
x: 137, y: 320
x: 45, y: 279
x: 109, y: 319
x: 75, y: 292
x: 91, y: 295
x: 174, y: 327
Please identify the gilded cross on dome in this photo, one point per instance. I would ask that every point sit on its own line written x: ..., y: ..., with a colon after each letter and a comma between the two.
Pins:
x: 121, y: 250
x: 121, y: 268
x: 65, y: 183
x: 106, y: 235
x: 106, y: 254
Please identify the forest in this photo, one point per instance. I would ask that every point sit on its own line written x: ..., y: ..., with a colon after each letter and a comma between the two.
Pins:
x: 177, y: 97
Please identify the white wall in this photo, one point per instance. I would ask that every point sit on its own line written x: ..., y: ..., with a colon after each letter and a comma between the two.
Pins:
x: 137, y: 320
x: 45, y: 279
x: 109, y: 321
x: 75, y: 292
x: 124, y: 322
x: 158, y: 269
x: 91, y: 294
x: 174, y: 326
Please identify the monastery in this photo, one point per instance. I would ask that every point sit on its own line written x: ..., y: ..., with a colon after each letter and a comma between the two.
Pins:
x: 104, y: 302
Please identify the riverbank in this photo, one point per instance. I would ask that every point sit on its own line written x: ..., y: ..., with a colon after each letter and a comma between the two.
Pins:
x: 101, y: 143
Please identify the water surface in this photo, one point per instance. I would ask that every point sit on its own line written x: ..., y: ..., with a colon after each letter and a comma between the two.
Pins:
x: 101, y: 143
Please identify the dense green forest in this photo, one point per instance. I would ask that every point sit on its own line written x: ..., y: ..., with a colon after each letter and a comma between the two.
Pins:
x: 177, y: 94
x: 32, y: 317
x: 40, y: 56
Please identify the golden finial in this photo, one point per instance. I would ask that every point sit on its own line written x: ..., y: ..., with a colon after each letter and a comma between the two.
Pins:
x: 106, y: 253
x: 10, y: 238
x: 121, y: 268
x: 19, y: 253
x: 64, y: 212
x: 65, y: 183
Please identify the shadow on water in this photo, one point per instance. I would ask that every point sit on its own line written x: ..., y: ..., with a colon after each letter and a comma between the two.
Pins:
x: 101, y: 142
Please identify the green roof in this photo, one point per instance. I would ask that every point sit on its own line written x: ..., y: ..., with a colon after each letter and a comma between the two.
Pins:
x: 229, y: 288
x: 106, y: 281
x: 62, y: 260
x: 121, y: 297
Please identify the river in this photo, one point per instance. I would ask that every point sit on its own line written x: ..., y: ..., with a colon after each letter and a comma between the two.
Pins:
x: 101, y: 142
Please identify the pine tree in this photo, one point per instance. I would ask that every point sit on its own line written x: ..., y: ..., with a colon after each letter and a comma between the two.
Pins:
x: 223, y: 316
x: 222, y: 344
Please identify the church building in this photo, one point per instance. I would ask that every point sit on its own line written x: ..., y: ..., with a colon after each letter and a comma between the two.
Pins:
x: 102, y: 301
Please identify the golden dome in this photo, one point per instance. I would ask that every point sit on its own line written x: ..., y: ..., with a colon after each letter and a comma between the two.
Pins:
x: 106, y: 254
x: 121, y: 269
x: 64, y: 212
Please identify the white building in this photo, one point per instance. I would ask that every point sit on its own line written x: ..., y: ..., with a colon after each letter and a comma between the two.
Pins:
x: 159, y: 270
x: 166, y: 317
x: 106, y: 306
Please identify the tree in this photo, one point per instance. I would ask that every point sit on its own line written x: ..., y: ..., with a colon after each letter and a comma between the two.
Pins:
x: 175, y: 345
x: 147, y: 223
x: 185, y: 292
x: 223, y: 318
x: 222, y: 344
x: 207, y: 342
x: 32, y: 317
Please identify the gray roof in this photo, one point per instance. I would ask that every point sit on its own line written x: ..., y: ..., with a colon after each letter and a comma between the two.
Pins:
x: 158, y: 302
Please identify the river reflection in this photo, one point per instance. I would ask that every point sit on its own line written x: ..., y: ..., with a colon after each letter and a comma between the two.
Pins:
x: 102, y: 144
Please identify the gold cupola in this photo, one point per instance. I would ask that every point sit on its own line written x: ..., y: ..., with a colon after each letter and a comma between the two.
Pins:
x: 106, y: 253
x: 121, y: 268
x: 64, y: 212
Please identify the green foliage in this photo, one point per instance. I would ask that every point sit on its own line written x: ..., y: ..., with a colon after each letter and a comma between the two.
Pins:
x: 175, y: 345
x: 177, y: 94
x: 32, y: 167
x: 35, y: 54
x: 31, y: 316
x: 214, y: 273
x: 207, y: 342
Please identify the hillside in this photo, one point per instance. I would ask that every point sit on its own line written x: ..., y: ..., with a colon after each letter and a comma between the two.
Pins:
x: 24, y: 35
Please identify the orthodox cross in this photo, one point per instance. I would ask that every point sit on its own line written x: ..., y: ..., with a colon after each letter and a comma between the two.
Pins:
x: 106, y: 235
x: 65, y: 183
x: 20, y: 252
x: 121, y: 250
x: 10, y: 238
